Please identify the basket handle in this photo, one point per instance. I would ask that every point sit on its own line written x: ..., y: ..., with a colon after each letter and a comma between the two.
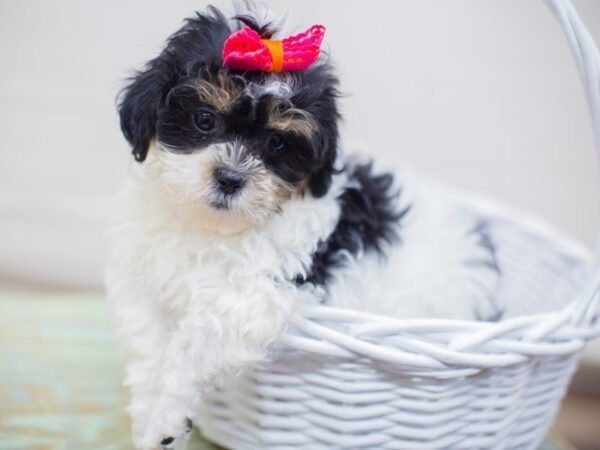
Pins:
x: 587, y: 58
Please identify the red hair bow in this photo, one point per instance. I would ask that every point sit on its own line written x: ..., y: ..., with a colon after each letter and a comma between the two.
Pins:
x: 245, y: 50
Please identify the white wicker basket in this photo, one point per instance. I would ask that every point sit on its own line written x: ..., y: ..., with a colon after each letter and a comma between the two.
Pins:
x: 350, y: 380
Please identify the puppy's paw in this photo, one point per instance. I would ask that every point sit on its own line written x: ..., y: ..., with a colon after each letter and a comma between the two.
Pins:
x: 169, y: 429
x: 178, y: 442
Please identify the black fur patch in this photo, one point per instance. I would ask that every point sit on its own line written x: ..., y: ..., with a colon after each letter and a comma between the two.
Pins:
x: 198, y: 43
x: 369, y: 221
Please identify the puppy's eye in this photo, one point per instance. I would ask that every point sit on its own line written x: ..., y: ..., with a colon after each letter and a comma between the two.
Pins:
x: 205, y: 121
x: 275, y: 144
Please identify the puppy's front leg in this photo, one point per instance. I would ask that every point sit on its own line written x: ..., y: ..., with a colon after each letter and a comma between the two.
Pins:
x: 142, y: 332
x: 221, y: 333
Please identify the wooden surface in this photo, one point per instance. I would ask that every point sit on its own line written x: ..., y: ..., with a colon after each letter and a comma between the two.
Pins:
x: 60, y: 376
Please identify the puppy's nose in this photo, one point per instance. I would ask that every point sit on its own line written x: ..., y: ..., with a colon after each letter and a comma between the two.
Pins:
x: 229, y: 180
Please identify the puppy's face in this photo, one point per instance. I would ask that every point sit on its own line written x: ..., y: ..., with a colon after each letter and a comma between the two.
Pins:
x: 235, y: 144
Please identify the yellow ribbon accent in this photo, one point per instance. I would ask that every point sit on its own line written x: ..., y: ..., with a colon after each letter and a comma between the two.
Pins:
x: 276, y: 50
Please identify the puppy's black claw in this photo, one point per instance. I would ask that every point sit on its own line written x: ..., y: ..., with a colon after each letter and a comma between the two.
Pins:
x: 188, y: 425
x: 167, y: 441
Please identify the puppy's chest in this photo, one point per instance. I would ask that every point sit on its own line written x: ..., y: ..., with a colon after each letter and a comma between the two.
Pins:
x: 178, y: 265
x: 184, y: 269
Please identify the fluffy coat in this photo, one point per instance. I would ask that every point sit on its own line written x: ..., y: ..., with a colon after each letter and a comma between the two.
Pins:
x: 243, y: 211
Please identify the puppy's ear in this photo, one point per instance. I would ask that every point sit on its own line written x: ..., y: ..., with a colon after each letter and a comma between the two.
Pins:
x: 320, y: 181
x: 324, y: 108
x: 138, y: 104
x: 198, y: 43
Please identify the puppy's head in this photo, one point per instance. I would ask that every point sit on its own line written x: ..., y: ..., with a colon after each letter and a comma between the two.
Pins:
x: 235, y: 144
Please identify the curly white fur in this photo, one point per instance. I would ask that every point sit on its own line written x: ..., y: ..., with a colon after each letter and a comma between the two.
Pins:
x: 191, y: 304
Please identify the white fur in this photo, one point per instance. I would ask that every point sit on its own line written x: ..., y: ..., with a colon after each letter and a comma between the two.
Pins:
x: 193, y: 302
x: 262, y: 13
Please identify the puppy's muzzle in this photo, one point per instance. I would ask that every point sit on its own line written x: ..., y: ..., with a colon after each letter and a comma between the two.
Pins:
x: 229, y: 181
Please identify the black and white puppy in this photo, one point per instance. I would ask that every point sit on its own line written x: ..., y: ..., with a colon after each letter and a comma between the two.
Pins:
x: 240, y: 208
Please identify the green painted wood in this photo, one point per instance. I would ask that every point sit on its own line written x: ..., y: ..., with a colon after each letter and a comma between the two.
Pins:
x: 60, y: 376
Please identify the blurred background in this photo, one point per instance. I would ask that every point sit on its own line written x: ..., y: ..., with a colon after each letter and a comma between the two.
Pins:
x: 482, y: 94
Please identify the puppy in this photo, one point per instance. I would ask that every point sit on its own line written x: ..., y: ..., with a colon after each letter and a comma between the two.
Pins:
x: 241, y: 208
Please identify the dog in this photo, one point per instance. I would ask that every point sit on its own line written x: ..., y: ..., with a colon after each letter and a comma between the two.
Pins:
x: 240, y: 208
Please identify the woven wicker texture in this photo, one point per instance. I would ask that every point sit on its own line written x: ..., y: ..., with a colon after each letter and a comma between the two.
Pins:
x: 349, y: 380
